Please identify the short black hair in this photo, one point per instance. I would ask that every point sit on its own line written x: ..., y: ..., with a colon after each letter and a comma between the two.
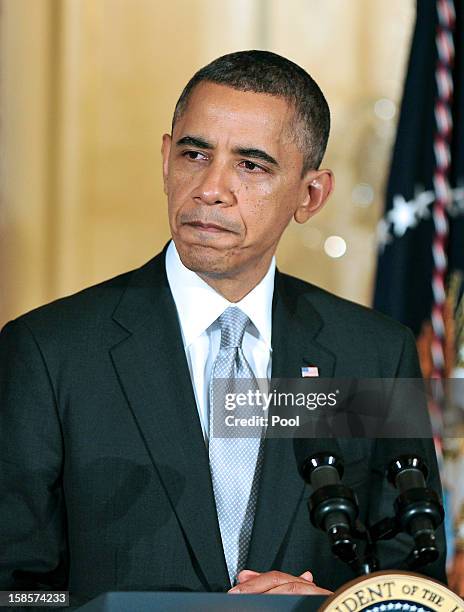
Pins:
x: 269, y: 73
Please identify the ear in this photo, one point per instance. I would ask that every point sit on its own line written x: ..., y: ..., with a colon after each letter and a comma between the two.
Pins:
x: 165, y: 151
x: 317, y: 186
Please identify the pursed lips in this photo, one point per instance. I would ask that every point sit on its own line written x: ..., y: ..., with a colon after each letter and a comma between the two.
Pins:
x: 208, y: 227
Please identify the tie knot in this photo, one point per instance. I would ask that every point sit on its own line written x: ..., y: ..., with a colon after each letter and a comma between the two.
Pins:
x: 233, y: 323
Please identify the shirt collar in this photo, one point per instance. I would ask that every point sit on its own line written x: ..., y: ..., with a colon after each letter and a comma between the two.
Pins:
x: 199, y: 305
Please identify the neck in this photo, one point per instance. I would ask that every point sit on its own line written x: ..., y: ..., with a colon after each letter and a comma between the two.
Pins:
x: 235, y: 288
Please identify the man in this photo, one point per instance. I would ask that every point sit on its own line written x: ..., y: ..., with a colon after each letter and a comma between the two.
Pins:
x: 111, y: 478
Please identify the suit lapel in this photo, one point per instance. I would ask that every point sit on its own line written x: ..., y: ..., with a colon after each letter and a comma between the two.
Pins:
x: 153, y: 371
x: 295, y: 326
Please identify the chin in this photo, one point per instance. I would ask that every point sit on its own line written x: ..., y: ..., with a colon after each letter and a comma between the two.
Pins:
x: 206, y: 260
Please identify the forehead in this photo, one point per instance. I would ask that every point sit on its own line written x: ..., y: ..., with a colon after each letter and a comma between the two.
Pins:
x: 217, y: 110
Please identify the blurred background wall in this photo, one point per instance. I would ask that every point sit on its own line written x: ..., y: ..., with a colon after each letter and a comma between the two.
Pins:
x: 87, y: 88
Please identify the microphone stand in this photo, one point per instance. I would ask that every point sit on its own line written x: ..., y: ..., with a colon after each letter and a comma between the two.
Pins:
x: 334, y: 508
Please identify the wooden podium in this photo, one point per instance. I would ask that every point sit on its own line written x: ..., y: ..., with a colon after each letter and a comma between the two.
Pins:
x: 206, y: 602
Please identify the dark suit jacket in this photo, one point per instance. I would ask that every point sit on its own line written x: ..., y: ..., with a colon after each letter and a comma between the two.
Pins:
x: 105, y: 481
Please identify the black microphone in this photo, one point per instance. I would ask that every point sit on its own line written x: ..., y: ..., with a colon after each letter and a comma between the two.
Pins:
x: 333, y: 507
x: 418, y: 508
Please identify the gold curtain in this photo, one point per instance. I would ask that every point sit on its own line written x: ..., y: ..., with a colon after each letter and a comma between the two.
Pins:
x: 87, y: 88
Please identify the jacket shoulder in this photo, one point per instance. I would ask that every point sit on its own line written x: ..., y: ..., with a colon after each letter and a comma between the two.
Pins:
x: 83, y: 304
x: 88, y: 308
x: 344, y: 319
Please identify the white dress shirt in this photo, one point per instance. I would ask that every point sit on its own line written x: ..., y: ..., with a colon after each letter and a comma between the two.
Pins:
x: 198, y: 308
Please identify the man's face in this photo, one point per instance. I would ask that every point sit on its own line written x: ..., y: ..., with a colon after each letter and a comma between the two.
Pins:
x: 232, y: 174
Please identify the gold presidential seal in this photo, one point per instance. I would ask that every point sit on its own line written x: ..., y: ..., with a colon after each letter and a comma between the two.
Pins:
x: 393, y: 591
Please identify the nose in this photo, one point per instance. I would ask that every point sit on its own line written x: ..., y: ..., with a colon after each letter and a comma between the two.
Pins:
x: 215, y: 185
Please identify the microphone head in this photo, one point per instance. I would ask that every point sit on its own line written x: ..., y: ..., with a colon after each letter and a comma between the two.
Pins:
x: 406, y: 463
x: 396, y: 455
x: 312, y: 453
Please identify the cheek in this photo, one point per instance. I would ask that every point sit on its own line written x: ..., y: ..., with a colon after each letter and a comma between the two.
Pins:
x: 256, y: 195
x: 178, y: 180
x: 179, y: 186
x: 266, y: 206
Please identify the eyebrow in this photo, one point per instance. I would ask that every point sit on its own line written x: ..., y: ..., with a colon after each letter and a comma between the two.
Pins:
x: 195, y: 142
x: 255, y: 154
x: 251, y: 152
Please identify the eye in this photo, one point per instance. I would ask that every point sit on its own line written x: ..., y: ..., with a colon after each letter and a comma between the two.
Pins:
x: 252, y: 167
x: 194, y: 155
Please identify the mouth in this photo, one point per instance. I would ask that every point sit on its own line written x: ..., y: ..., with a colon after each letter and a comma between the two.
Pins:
x: 207, y: 227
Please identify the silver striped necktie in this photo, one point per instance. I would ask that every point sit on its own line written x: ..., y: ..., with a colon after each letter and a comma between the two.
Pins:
x: 235, y: 463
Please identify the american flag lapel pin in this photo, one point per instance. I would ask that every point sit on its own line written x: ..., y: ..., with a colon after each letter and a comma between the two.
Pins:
x: 309, y: 371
